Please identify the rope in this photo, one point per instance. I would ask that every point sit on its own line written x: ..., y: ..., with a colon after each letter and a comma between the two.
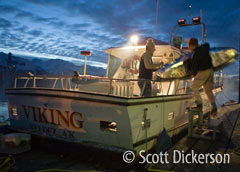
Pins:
x: 62, y: 170
x: 229, y: 99
x: 157, y: 170
x: 6, y: 163
x: 140, y: 127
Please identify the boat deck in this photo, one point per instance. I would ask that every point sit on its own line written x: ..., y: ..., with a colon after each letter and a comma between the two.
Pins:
x: 228, y: 141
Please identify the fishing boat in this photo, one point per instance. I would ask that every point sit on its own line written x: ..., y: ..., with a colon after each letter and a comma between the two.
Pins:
x: 105, y: 112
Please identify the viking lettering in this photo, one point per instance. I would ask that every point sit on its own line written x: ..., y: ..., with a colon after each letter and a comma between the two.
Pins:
x: 34, y: 114
x: 79, y: 121
x: 41, y: 115
x: 52, y: 116
x: 27, y: 112
x: 64, y: 119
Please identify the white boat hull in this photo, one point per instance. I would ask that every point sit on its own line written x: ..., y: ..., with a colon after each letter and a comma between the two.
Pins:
x: 82, y: 117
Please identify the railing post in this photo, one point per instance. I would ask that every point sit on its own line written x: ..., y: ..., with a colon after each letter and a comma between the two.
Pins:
x: 110, y: 89
x: 176, y: 86
x: 62, y: 84
x: 159, y: 86
x: 25, y: 85
x: 34, y: 82
x: 15, y: 83
x: 65, y: 84
x: 169, y: 87
x: 54, y: 84
x: 69, y: 82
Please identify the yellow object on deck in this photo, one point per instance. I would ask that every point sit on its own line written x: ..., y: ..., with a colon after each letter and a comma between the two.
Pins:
x: 6, y: 163
x: 156, y: 170
x: 62, y: 170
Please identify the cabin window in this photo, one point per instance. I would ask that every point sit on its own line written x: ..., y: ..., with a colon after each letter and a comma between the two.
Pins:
x: 113, y: 66
x: 109, y: 126
x: 131, y: 65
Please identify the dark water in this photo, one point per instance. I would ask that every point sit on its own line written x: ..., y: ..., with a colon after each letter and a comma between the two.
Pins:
x: 230, y: 91
x: 4, y: 109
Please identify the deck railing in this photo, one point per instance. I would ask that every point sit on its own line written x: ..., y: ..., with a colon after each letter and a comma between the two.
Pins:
x: 110, y: 86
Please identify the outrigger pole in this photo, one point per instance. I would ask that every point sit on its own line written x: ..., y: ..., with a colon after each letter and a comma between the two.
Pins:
x: 85, y: 53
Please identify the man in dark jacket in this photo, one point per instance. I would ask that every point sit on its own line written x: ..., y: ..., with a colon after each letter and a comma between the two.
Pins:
x: 146, y: 68
x: 202, y: 70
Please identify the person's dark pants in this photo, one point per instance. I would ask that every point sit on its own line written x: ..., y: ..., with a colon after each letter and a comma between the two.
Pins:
x: 146, y: 90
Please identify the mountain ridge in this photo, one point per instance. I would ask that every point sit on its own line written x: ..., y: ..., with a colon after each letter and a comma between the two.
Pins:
x: 43, y: 67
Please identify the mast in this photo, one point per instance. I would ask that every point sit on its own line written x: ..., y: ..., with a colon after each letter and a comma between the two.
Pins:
x: 155, y: 33
x: 190, y: 7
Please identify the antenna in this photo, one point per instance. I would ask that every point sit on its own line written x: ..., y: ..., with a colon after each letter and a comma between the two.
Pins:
x: 201, y: 14
x: 190, y: 7
x: 203, y: 27
x: 155, y: 34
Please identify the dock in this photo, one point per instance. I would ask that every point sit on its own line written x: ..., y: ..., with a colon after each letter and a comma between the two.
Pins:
x: 227, y: 142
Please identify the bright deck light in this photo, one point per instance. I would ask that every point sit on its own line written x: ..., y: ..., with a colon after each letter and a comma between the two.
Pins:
x: 134, y: 39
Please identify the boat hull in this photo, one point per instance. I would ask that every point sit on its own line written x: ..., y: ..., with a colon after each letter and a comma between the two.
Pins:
x: 113, y: 121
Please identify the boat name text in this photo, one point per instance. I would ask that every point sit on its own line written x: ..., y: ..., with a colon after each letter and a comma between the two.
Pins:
x: 62, y: 119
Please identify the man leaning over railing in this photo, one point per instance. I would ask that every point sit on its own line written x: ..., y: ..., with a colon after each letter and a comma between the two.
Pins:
x: 146, y: 69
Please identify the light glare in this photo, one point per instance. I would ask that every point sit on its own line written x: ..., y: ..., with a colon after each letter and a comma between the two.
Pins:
x: 134, y: 39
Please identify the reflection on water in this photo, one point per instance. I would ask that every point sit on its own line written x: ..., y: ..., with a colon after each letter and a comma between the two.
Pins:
x: 230, y: 91
x: 4, y: 109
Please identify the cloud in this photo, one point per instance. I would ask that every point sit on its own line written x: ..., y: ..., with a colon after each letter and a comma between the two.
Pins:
x: 35, y: 33
x: 23, y: 14
x: 22, y: 28
x: 5, y: 23
x: 67, y: 27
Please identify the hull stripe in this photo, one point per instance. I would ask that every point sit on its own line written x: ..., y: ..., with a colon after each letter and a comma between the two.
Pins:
x: 133, y: 103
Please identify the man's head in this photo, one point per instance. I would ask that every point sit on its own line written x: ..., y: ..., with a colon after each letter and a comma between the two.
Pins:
x: 150, y: 46
x: 192, y: 44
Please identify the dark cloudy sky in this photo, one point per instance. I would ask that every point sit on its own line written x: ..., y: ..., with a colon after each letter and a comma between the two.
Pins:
x: 62, y: 28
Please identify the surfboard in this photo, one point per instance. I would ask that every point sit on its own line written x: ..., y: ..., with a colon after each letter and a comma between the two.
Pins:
x: 221, y: 57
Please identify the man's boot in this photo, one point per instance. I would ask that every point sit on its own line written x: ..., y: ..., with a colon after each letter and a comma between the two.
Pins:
x: 197, y: 106
x: 214, y: 109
